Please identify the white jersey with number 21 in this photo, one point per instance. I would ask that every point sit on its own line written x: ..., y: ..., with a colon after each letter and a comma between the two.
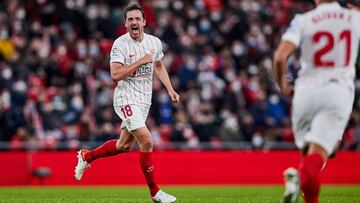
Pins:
x: 328, y: 37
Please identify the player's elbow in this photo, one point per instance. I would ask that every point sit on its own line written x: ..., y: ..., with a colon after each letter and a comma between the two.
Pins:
x: 116, y: 77
x: 116, y: 72
x: 279, y: 57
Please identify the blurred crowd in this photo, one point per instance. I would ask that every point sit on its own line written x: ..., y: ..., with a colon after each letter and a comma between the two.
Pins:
x: 56, y: 91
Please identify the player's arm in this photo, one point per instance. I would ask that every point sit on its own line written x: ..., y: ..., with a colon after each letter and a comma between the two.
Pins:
x: 280, y: 59
x: 163, y: 75
x: 120, y: 71
x: 289, y: 41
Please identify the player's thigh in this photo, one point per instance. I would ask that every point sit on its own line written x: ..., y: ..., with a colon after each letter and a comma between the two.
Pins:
x: 143, y: 138
x: 330, y: 122
x: 125, y: 141
x: 131, y: 115
x: 142, y: 134
x: 302, y: 114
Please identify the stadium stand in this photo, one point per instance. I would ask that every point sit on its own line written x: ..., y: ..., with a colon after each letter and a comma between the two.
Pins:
x: 56, y: 91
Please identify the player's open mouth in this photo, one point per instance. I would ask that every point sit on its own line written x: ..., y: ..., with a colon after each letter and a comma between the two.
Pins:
x: 135, y: 28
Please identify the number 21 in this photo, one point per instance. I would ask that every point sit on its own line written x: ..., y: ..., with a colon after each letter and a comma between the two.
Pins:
x: 344, y: 35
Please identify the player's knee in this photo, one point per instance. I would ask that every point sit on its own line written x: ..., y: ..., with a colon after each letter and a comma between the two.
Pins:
x: 123, y: 147
x: 147, y: 146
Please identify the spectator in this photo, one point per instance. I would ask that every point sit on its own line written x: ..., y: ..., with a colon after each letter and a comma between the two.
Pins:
x: 218, y: 54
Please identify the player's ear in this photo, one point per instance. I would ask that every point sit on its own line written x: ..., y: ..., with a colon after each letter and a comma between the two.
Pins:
x: 126, y: 23
x: 144, y: 21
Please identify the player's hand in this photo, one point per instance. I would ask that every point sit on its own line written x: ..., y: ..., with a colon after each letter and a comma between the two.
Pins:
x: 174, y: 96
x: 148, y: 57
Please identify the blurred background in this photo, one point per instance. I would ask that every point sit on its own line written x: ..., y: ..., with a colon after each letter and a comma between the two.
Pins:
x: 56, y: 91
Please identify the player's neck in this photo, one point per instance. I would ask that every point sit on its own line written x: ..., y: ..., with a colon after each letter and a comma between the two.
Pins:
x: 138, y: 39
x: 320, y: 2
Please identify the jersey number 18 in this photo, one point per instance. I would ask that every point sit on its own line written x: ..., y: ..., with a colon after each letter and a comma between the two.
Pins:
x: 126, y: 110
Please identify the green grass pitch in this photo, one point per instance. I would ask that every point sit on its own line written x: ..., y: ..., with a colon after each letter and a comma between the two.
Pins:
x: 185, y: 194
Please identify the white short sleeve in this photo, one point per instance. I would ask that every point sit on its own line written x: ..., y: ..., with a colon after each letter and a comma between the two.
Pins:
x: 117, y: 54
x: 159, y: 53
x: 293, y: 32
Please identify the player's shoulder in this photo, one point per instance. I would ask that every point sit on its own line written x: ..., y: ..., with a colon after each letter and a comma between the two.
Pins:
x: 356, y: 13
x: 303, y: 17
x: 356, y: 19
x: 152, y: 38
x: 297, y: 22
x: 122, y: 39
x: 353, y: 12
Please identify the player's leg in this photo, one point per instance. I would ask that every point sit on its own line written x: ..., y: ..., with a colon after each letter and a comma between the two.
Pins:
x: 309, y: 172
x: 327, y: 127
x: 136, y: 125
x: 144, y: 139
x: 109, y: 148
x: 301, y: 122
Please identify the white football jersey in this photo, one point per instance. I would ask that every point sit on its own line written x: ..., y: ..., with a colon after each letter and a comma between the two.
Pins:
x: 136, y: 88
x: 328, y: 37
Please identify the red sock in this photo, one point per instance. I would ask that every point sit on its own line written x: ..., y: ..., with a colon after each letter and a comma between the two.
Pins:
x: 310, y: 177
x: 147, y: 167
x: 106, y: 149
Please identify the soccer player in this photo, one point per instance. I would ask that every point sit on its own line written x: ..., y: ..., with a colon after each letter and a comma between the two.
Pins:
x: 133, y: 58
x: 328, y: 37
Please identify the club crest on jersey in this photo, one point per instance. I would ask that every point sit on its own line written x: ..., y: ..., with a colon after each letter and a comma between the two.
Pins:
x: 116, y: 51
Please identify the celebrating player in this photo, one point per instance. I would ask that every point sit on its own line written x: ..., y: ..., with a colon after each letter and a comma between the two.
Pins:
x: 328, y: 37
x: 134, y: 56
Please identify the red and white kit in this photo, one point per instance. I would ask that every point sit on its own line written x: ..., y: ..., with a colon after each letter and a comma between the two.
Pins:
x: 132, y: 95
x: 328, y: 37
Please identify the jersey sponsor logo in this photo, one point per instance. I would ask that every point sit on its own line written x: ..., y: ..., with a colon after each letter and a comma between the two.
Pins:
x: 143, y: 71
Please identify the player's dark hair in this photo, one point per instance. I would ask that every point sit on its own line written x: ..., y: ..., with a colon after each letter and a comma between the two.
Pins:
x: 133, y: 7
x: 353, y: 2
